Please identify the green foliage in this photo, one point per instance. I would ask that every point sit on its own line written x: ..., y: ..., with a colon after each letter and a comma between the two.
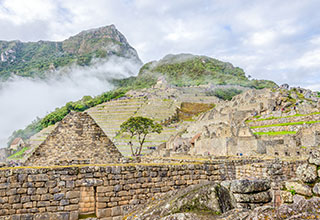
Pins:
x: 225, y: 94
x: 292, y: 191
x: 139, y: 127
x: 57, y: 115
x: 133, y: 83
x: 289, y: 116
x: 18, y: 154
x: 274, y: 133
x: 285, y: 124
x: 186, y: 70
x: 34, y: 59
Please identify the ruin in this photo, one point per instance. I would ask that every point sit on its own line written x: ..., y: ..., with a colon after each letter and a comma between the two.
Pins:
x: 76, y: 139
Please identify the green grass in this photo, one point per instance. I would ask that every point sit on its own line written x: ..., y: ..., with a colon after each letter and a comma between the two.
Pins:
x: 274, y: 133
x: 285, y: 124
x: 289, y: 116
x: 18, y: 154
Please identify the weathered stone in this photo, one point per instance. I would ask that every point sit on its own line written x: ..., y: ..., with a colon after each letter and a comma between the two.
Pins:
x: 43, y: 203
x: 14, y: 199
x: 64, y: 202
x: 315, y: 157
x: 58, y: 196
x: 286, y: 196
x: 72, y: 194
x: 38, y: 177
x: 115, y: 211
x: 316, y: 189
x: 261, y: 197
x: 299, y: 188
x: 41, y: 216
x: 249, y: 186
x: 101, y: 213
x: 307, y: 173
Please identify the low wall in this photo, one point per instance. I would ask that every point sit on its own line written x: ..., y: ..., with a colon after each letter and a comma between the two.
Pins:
x: 110, y: 191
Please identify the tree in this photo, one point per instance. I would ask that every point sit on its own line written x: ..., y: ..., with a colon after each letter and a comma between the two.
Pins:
x: 140, y: 127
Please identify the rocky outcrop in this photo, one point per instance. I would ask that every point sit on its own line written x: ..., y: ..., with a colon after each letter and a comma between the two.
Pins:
x: 210, y: 199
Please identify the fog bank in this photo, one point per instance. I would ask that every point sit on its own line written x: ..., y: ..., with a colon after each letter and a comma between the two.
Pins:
x: 24, y: 99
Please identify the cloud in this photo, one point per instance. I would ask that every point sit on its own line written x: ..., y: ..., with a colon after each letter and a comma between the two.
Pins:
x: 24, y: 99
x: 276, y: 40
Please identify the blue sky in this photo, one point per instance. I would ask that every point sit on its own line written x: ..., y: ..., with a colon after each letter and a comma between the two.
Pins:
x: 277, y: 40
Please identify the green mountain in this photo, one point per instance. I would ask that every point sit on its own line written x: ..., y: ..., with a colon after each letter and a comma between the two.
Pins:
x: 188, y: 69
x: 36, y: 59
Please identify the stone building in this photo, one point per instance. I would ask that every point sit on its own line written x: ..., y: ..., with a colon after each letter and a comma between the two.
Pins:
x: 16, y: 144
x: 76, y: 139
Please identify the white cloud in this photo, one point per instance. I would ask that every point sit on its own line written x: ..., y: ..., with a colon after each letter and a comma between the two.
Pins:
x: 23, y: 99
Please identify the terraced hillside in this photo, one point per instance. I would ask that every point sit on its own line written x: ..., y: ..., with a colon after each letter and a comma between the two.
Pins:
x: 111, y: 115
x: 282, y: 125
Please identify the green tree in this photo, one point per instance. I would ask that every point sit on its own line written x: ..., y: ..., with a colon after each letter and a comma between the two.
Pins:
x: 139, y: 127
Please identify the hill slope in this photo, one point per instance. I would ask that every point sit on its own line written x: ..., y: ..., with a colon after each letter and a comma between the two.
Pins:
x: 188, y: 69
x: 33, y: 59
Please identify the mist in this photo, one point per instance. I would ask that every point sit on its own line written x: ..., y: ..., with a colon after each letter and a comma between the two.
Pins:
x: 22, y: 100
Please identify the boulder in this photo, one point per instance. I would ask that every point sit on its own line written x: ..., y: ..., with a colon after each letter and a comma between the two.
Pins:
x: 261, y: 197
x: 307, y: 173
x: 315, y: 157
x: 299, y: 188
x: 249, y: 186
x: 210, y: 198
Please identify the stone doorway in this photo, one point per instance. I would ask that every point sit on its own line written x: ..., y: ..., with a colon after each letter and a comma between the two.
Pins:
x: 87, y: 203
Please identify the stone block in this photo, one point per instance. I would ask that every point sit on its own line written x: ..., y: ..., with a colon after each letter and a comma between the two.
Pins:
x: 38, y: 178
x: 43, y: 203
x: 261, y: 197
x: 307, y: 173
x: 316, y: 189
x: 58, y: 196
x: 71, y: 207
x: 28, y: 205
x: 14, y: 199
x: 74, y: 215
x: 72, y: 194
x: 116, y: 211
x: 299, y: 188
x: 249, y: 186
x: 42, y: 191
x: 41, y: 216
x: 101, y: 213
x: 286, y: 197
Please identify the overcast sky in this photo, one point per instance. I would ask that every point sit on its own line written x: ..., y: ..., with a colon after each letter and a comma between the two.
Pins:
x: 277, y: 40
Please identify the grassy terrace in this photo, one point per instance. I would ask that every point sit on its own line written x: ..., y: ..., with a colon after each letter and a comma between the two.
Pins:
x: 289, y: 116
x: 286, y: 124
x: 275, y: 133
x: 19, y: 154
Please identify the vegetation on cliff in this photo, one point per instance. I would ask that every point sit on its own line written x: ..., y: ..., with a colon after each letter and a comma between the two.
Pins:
x: 37, y: 59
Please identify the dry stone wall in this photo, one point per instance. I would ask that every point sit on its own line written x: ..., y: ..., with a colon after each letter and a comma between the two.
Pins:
x: 107, y: 191
x: 76, y: 138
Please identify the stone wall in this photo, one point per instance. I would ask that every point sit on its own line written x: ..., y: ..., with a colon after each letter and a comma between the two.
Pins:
x: 111, y: 191
x: 76, y: 138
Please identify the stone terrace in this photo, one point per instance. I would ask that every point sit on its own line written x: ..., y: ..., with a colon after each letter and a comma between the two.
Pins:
x: 111, y: 115
x: 272, y: 124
